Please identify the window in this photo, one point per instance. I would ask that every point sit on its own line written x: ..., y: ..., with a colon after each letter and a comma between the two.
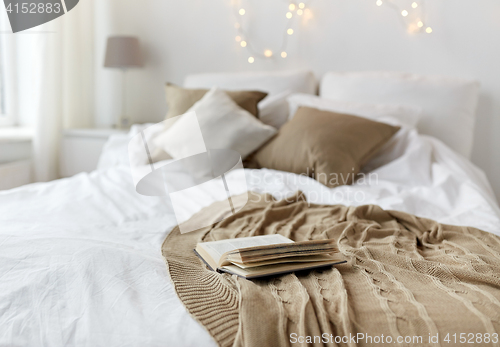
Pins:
x: 6, y: 116
x: 2, y: 77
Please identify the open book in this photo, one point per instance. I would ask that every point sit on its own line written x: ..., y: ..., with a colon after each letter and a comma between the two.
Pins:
x: 259, y: 256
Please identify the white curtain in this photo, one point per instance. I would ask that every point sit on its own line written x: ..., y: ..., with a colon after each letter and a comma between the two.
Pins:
x: 52, y: 71
x: 66, y: 81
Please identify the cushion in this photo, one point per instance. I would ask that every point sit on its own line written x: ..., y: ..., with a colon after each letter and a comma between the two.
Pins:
x: 223, y: 124
x: 179, y: 99
x: 405, y: 116
x: 274, y: 110
x: 330, y: 147
x: 448, y: 104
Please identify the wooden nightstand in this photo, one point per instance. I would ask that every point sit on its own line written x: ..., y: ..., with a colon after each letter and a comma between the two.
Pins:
x: 81, y: 148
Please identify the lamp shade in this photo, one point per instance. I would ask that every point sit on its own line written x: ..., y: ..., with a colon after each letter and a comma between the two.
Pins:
x: 123, y: 52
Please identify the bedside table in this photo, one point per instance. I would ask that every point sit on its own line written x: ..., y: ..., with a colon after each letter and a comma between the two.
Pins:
x: 15, y: 157
x: 81, y: 148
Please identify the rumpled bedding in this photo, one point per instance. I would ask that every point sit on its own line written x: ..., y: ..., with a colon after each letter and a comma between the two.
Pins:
x: 81, y: 263
x: 407, y: 277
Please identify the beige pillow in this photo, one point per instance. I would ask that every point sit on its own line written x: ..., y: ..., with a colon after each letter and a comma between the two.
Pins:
x: 330, y: 147
x: 179, y: 99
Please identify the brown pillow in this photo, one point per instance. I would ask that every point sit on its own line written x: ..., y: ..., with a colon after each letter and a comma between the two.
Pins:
x: 179, y: 99
x: 327, y: 146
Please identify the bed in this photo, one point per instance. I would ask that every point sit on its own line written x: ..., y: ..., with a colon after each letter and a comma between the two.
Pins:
x: 81, y: 261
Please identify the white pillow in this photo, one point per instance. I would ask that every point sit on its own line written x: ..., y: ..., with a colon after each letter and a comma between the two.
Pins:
x: 223, y: 124
x: 395, y: 115
x: 114, y: 153
x: 117, y: 152
x: 272, y: 83
x: 273, y: 110
x: 448, y: 104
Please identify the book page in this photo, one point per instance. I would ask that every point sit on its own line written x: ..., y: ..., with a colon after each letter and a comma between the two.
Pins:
x: 276, y: 269
x: 217, y: 248
x: 306, y: 259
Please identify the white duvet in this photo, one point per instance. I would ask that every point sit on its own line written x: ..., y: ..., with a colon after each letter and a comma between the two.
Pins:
x: 80, y: 261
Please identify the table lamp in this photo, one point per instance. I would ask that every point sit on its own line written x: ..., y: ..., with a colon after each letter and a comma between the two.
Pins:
x: 123, y: 52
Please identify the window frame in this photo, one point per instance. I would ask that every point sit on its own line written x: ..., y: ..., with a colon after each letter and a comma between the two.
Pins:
x: 7, y: 87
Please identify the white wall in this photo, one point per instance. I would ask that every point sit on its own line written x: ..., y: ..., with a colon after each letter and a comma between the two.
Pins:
x: 189, y: 36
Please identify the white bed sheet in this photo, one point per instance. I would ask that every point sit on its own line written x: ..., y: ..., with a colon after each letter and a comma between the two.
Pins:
x: 81, y: 262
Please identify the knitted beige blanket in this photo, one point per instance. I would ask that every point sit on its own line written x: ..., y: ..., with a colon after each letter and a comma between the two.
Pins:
x: 409, y: 279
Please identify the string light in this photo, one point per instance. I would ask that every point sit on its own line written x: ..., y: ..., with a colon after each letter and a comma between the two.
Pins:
x: 413, y: 17
x: 242, y: 37
x: 414, y: 25
x: 308, y: 14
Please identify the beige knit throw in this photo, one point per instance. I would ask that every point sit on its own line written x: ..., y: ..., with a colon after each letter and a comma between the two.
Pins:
x: 408, y: 277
